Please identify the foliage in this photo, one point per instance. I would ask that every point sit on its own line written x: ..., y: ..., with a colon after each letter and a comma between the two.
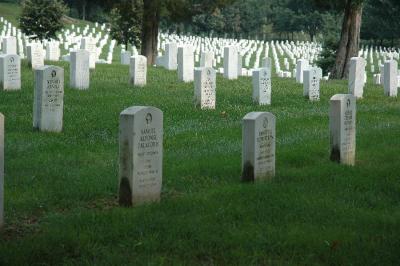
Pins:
x: 42, y: 19
x: 126, y: 22
x: 328, y: 54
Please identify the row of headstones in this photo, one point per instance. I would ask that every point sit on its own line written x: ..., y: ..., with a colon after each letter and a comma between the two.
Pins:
x: 10, y: 71
x: 141, y: 143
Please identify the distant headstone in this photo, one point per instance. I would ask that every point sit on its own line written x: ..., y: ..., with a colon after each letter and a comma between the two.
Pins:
x: 262, y: 86
x: 125, y: 57
x: 138, y: 70
x: 53, y: 51
x: 171, y: 54
x: 390, y: 78
x: 186, y: 63
x: 89, y: 44
x: 140, y: 155
x: 356, y: 76
x: 35, y: 55
x: 9, y: 45
x: 240, y: 65
x: 205, y: 86
x: 79, y: 69
x: 342, y: 126
x: 48, y: 99
x: 206, y: 59
x: 311, y: 83
x: 10, y: 72
x: 1, y: 170
x: 267, y: 63
x: 258, y: 150
x: 302, y: 64
x: 230, y: 62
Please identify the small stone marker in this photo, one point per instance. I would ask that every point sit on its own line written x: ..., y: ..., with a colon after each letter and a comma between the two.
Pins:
x: 230, y: 62
x: 311, y: 83
x: 48, y: 99
x: 171, y: 56
x: 10, y: 45
x: 258, y: 150
x: 140, y: 155
x: 390, y: 78
x: 186, y: 63
x: 35, y: 55
x: 356, y: 76
x: 205, y: 86
x: 125, y: 57
x: 138, y: 71
x: 79, y: 69
x: 342, y: 125
x: 206, y: 59
x: 10, y: 72
x: 301, y: 65
x: 1, y: 170
x: 262, y: 86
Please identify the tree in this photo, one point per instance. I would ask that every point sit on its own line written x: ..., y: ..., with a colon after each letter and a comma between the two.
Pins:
x: 42, y: 19
x: 125, y: 22
x: 177, y: 11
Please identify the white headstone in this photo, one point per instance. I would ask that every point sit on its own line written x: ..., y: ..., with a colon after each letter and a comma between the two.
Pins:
x: 390, y: 78
x: 302, y: 65
x: 186, y: 63
x: 138, y: 71
x: 205, y: 87
x: 262, y: 86
x: 171, y: 54
x: 79, y: 69
x: 342, y: 126
x: 311, y: 83
x: 356, y: 76
x: 125, y: 57
x: 230, y: 62
x: 10, y: 72
x: 140, y: 155
x: 10, y: 45
x: 258, y: 146
x: 48, y: 99
x: 206, y: 59
x: 35, y: 55
x: 89, y: 44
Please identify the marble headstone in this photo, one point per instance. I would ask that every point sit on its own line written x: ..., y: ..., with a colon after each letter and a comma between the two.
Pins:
x: 10, y: 72
x: 302, y: 64
x: 230, y: 62
x: 356, y: 76
x: 140, y: 155
x: 79, y: 69
x: 262, y: 86
x: 342, y: 127
x: 138, y: 70
x: 205, y: 87
x: 171, y: 56
x: 186, y: 63
x: 311, y: 82
x: 258, y: 146
x: 1, y: 170
x: 390, y: 78
x: 48, y: 99
x: 35, y: 55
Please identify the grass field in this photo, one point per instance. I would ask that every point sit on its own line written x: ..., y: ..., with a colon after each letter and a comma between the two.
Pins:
x: 61, y: 189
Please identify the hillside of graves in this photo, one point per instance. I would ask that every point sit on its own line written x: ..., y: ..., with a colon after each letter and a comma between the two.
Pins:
x: 72, y: 109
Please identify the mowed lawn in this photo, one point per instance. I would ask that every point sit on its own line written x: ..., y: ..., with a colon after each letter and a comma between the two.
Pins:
x: 61, y: 189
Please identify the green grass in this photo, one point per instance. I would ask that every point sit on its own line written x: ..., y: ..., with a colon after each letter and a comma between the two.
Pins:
x: 61, y: 189
x: 10, y: 11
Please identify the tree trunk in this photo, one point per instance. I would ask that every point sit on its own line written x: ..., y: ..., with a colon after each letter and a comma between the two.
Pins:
x: 349, y: 39
x: 84, y: 4
x: 151, y: 18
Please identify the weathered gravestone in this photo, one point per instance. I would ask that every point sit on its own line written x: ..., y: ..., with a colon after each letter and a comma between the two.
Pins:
x: 79, y: 69
x: 356, y: 76
x: 230, y: 62
x: 262, y: 86
x: 390, y: 78
x: 35, y: 55
x: 138, y: 70
x: 258, y: 146
x: 186, y: 63
x: 140, y: 155
x: 342, y: 126
x: 10, y: 72
x: 48, y: 99
x: 302, y: 64
x: 311, y: 83
x: 206, y: 59
x: 205, y: 87
x: 171, y: 54
x: 9, y: 45
x: 1, y: 170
